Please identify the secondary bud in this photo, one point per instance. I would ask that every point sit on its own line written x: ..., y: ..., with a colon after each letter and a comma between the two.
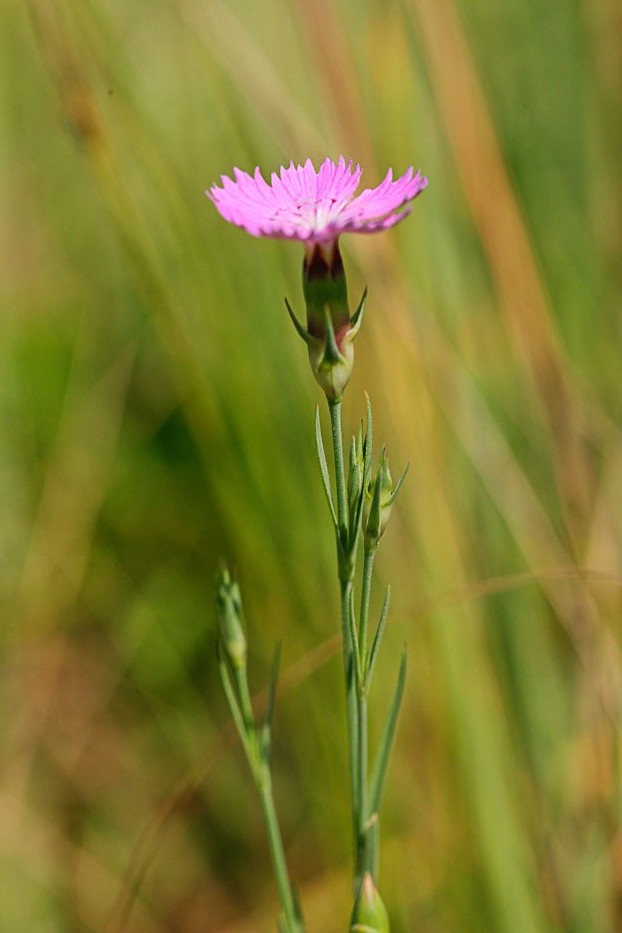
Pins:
x: 230, y: 619
x: 369, y: 914
x: 379, y: 502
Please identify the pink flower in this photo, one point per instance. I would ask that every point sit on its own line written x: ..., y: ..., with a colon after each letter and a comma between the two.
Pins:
x: 314, y: 207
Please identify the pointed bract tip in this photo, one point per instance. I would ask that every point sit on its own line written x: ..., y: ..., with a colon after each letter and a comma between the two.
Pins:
x: 369, y: 914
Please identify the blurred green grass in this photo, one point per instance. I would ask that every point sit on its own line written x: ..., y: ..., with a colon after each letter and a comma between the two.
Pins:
x: 157, y: 414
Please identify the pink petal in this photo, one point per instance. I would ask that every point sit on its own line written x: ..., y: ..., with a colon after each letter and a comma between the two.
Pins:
x: 300, y: 203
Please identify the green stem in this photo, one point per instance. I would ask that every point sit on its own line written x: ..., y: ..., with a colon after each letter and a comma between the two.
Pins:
x: 351, y: 708
x: 260, y: 770
x: 346, y: 572
x: 362, y: 845
x: 364, y: 850
x: 286, y: 895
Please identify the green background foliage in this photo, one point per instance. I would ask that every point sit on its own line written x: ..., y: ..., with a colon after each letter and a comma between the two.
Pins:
x: 157, y: 413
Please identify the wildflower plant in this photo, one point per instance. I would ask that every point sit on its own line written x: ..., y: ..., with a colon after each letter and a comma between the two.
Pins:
x: 315, y: 208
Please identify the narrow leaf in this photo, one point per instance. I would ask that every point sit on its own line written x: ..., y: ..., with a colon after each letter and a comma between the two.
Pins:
x: 367, y: 443
x: 373, y: 651
x: 357, y: 317
x: 299, y: 328
x: 354, y: 479
x: 384, y: 750
x: 324, y: 465
x: 356, y: 518
x: 396, y: 487
x: 359, y: 443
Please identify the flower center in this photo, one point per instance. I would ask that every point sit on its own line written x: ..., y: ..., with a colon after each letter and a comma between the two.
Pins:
x: 318, y: 215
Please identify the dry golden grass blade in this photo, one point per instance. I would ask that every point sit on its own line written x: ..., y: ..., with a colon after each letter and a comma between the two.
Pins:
x: 479, y: 589
x: 80, y: 108
x: 500, y: 224
x: 508, y: 485
x: 334, y: 66
x: 458, y: 636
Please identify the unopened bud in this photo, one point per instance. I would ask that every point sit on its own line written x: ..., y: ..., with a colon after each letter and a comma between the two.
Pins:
x: 230, y: 619
x: 378, y: 504
x: 369, y: 914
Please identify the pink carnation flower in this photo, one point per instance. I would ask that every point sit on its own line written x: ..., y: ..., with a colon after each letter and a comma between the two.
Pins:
x: 314, y: 207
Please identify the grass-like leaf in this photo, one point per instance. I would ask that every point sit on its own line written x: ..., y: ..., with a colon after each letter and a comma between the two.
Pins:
x: 324, y: 465
x: 398, y: 483
x: 367, y: 443
x: 379, y: 773
x: 373, y: 651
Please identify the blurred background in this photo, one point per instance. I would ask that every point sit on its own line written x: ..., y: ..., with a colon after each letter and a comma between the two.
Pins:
x: 157, y: 410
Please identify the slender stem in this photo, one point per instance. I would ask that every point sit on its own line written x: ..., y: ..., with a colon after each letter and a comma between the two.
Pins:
x: 364, y: 849
x: 346, y: 573
x: 260, y: 770
x: 351, y: 708
x: 362, y: 845
x: 278, y: 855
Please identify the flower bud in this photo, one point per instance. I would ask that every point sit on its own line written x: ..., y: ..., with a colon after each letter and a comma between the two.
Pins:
x: 230, y: 619
x: 369, y: 914
x: 378, y: 504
